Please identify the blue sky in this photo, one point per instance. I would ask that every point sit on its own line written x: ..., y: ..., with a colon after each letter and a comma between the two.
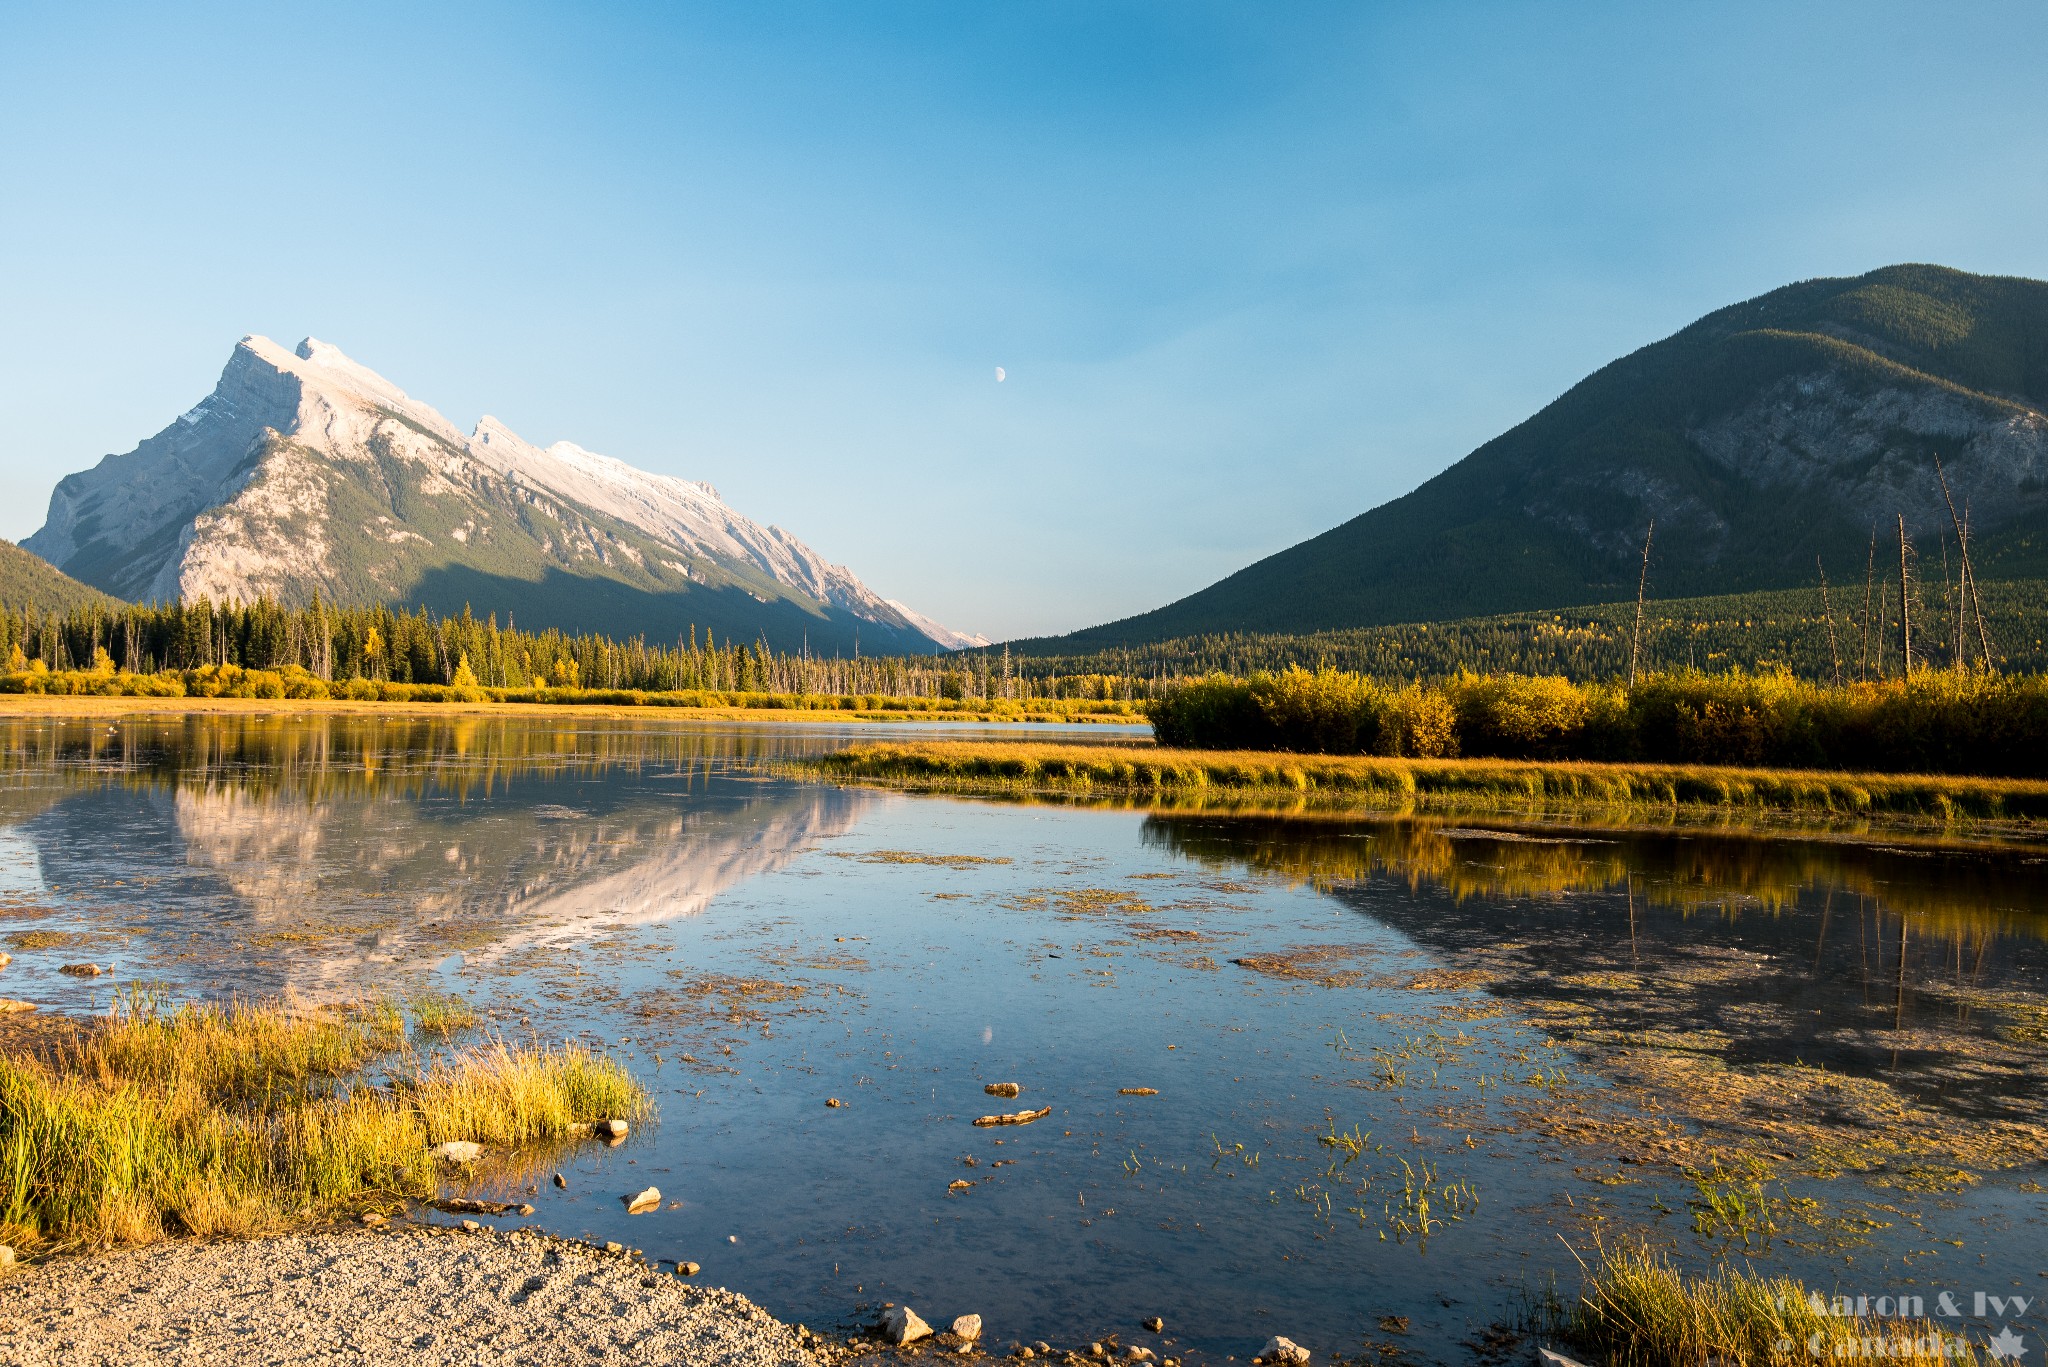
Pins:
x: 1251, y: 268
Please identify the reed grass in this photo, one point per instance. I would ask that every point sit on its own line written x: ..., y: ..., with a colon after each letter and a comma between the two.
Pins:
x: 441, y: 1014
x: 245, y: 1119
x: 1637, y: 1310
x: 1182, y: 777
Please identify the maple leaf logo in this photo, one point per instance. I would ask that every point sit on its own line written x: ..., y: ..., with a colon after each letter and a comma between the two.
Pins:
x: 2006, y: 1346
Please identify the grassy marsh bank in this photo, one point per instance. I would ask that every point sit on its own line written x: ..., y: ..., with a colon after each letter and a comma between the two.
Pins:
x: 248, y: 1119
x: 1361, y: 782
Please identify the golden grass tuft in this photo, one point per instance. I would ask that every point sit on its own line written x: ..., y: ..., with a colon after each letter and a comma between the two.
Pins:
x: 243, y: 1119
x: 440, y: 1013
x: 1637, y: 1310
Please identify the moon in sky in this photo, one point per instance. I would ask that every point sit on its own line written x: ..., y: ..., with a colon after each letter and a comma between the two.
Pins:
x: 1001, y: 374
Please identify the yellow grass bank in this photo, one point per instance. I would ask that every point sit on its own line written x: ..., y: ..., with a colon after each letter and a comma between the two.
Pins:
x: 1196, y: 777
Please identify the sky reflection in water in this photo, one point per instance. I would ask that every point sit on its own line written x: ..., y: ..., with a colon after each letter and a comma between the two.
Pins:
x: 1357, y: 1030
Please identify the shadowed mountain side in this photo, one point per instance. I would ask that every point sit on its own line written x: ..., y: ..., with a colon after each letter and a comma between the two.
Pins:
x: 29, y: 581
x: 1758, y: 438
x: 579, y: 603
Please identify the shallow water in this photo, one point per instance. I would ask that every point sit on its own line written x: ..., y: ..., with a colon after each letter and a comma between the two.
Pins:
x: 1403, y: 1067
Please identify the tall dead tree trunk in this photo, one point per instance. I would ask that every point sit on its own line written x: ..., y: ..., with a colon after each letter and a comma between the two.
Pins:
x: 1635, y: 645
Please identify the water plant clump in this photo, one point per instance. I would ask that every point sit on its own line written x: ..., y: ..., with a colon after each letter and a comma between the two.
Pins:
x: 248, y: 1118
x: 1637, y: 1310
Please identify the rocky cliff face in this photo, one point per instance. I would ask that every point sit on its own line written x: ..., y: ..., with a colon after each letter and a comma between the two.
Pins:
x: 305, y: 472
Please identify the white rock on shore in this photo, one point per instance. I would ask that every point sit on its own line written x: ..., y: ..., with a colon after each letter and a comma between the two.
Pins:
x: 900, y: 1325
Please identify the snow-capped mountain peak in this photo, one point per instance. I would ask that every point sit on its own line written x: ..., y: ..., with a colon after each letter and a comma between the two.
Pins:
x: 306, y: 471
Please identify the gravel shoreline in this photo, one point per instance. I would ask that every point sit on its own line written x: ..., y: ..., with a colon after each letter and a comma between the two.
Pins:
x: 418, y: 1295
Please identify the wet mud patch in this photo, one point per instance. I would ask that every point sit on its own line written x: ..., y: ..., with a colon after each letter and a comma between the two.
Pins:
x: 946, y: 861
x: 1323, y: 965
x: 1079, y: 904
x: 732, y: 998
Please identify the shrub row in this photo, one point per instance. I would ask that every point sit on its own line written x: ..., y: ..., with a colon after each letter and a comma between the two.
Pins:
x: 295, y: 682
x: 1965, y: 723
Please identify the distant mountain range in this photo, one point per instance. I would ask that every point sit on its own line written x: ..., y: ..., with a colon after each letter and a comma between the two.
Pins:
x: 1760, y: 437
x: 304, y: 472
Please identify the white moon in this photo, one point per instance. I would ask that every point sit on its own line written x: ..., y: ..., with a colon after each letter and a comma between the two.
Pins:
x: 1001, y: 374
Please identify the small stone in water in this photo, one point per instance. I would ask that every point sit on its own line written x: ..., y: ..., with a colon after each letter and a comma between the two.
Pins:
x: 471, y: 1225
x: 834, y: 1102
x: 609, y: 1129
x: 1280, y: 1352
x: 1002, y: 1089
x: 1155, y: 1325
x: 688, y: 1269
x: 968, y: 1327
x: 614, y: 1247
x: 641, y: 1202
x: 561, y: 1181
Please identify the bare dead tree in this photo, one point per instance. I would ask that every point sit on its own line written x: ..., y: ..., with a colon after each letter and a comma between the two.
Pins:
x: 1962, y: 549
x: 1635, y: 646
x: 1905, y: 603
x: 1884, y: 621
x: 1976, y: 598
x: 1827, y: 612
x: 1869, y: 574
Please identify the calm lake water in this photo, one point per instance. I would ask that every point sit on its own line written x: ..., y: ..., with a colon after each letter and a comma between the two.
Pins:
x: 1398, y: 1074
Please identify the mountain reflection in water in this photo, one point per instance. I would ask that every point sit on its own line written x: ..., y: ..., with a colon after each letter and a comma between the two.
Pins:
x: 1660, y: 952
x: 319, y: 859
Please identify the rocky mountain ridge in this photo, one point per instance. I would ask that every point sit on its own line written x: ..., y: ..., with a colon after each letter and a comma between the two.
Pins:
x: 306, y: 472
x: 1762, y: 438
